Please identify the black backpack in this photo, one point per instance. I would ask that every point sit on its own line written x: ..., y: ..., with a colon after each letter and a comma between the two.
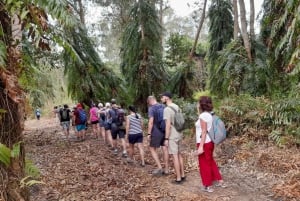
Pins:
x: 64, y: 115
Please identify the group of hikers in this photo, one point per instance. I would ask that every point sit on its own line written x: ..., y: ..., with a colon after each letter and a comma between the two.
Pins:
x: 112, y: 122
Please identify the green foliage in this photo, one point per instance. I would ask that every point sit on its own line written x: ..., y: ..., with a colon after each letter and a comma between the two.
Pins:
x: 6, y: 153
x: 178, y: 48
x: 279, y: 118
x: 141, y: 63
x: 31, y: 170
x: 220, y: 28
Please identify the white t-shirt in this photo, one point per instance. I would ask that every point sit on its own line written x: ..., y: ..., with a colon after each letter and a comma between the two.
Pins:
x: 207, y: 117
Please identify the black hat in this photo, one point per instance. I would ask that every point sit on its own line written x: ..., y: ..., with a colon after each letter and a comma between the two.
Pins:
x: 167, y: 94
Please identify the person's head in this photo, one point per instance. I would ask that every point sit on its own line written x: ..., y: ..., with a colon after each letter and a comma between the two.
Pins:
x: 93, y: 105
x: 66, y: 106
x: 100, y: 105
x: 166, y: 97
x: 113, y: 101
x: 205, y: 104
x: 132, y: 108
x: 79, y: 106
x: 107, y: 105
x: 151, y: 100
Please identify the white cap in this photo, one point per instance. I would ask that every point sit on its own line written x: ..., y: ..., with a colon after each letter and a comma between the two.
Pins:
x: 100, y: 105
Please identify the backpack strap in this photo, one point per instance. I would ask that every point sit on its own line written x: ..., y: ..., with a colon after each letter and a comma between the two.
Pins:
x: 173, y: 109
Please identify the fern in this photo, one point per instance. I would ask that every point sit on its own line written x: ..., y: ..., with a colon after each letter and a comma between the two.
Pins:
x: 31, y: 170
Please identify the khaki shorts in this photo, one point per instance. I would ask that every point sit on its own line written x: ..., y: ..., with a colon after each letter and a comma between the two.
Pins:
x: 175, y: 146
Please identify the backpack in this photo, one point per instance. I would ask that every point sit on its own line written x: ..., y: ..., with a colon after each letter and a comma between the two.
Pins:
x: 217, y: 132
x: 159, y: 121
x: 64, y: 113
x: 118, y: 117
x: 179, y: 121
x: 82, y: 116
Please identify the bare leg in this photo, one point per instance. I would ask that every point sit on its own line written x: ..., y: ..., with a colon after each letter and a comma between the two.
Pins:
x: 181, y: 165
x: 177, y: 166
x: 155, y: 157
x: 166, y: 158
x: 142, y: 153
x: 131, y: 151
x: 123, y: 145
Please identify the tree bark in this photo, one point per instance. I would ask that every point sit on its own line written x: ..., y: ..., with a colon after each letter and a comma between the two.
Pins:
x: 81, y: 12
x: 236, y: 27
x: 161, y: 21
x: 245, y: 36
x: 198, y: 30
x: 252, y: 18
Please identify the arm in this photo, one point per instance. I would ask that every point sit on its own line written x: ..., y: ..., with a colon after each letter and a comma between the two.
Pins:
x: 203, y: 125
x: 150, y: 125
x: 168, y: 131
x: 127, y: 126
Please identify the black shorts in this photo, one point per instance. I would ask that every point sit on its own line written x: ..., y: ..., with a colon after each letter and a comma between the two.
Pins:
x: 135, y: 138
x: 157, y: 140
x: 95, y: 122
x: 118, y: 132
x: 107, y: 126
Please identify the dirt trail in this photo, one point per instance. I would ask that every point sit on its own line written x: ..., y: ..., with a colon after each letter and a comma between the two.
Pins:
x: 89, y: 171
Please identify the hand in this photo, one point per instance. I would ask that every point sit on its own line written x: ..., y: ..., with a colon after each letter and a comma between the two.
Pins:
x: 200, y: 151
x: 166, y: 143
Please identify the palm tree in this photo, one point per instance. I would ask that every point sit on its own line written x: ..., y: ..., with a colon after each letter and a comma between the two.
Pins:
x: 140, y: 52
x: 220, y: 30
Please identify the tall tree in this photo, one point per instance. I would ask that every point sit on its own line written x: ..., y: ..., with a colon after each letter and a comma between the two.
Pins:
x: 236, y: 26
x: 16, y: 18
x: 221, y: 33
x: 245, y: 36
x: 252, y: 18
x: 198, y: 29
x: 140, y: 52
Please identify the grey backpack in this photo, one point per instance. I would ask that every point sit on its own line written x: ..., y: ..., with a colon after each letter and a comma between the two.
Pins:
x: 217, y: 132
x: 179, y: 122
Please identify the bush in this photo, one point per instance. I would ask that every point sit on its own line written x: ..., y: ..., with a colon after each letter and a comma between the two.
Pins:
x: 279, y: 118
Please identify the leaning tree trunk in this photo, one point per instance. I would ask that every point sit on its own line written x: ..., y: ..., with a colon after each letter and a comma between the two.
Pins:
x: 198, y: 30
x: 245, y: 36
x: 12, y: 121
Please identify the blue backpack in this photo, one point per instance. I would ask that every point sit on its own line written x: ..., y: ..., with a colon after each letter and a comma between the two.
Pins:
x: 217, y: 132
x: 82, y: 116
x: 159, y: 121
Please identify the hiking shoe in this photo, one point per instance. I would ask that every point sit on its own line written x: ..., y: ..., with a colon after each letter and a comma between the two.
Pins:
x: 157, y: 172
x: 124, y: 155
x: 177, y: 182
x: 221, y: 185
x: 207, y: 189
x: 116, y: 152
x: 129, y: 160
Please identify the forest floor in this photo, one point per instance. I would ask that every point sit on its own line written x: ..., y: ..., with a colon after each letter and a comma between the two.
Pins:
x: 88, y: 170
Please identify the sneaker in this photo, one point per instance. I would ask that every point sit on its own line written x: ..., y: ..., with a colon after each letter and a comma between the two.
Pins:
x: 116, y: 152
x: 129, y: 160
x: 221, y: 185
x: 157, y: 172
x: 124, y: 155
x: 207, y: 189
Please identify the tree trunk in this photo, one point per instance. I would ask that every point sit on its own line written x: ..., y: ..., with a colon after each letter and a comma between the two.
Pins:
x: 252, y: 18
x: 245, y: 36
x: 12, y: 121
x: 198, y: 30
x: 236, y: 30
x: 81, y: 12
x: 161, y: 21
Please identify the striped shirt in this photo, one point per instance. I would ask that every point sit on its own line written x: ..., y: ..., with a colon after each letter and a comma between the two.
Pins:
x: 134, y: 124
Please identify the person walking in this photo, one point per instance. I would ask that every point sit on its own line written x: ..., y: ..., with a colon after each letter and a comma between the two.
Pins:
x: 80, y: 119
x: 38, y: 113
x: 134, y: 132
x: 65, y: 117
x: 117, y: 129
x: 173, y: 138
x: 107, y: 125
x: 101, y: 116
x: 208, y: 168
x: 157, y: 136
x: 94, y: 120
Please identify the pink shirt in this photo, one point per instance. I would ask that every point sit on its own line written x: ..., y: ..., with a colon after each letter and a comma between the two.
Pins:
x: 93, y: 114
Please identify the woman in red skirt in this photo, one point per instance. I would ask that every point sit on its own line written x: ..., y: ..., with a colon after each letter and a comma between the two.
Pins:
x: 208, y: 168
